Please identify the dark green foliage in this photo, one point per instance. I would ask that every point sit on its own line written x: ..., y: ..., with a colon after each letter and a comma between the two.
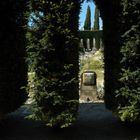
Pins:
x: 13, y: 70
x: 122, y: 68
x: 121, y: 34
x: 96, y: 25
x: 129, y: 93
x: 90, y: 34
x: 53, y: 50
x: 87, y: 24
x: 110, y: 12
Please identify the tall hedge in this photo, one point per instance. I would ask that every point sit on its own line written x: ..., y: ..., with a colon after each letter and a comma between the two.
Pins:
x: 53, y: 50
x: 129, y: 92
x: 110, y: 12
x: 121, y: 34
x: 13, y: 69
x: 121, y: 20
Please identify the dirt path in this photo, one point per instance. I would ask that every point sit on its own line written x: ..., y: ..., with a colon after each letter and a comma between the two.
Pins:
x: 94, y: 123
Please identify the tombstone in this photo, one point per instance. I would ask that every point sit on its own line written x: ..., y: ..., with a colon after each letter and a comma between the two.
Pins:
x: 89, y: 78
x: 88, y: 89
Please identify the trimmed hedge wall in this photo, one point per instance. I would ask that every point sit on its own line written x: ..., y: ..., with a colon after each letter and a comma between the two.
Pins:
x: 121, y: 25
x: 110, y: 12
x: 13, y: 69
x: 53, y: 50
x: 129, y: 91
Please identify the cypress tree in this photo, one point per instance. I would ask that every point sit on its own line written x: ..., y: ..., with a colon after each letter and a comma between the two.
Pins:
x: 96, y: 26
x: 13, y: 69
x: 87, y: 23
x: 53, y: 49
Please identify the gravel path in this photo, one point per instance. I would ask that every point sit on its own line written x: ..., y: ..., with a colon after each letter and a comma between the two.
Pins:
x: 94, y: 123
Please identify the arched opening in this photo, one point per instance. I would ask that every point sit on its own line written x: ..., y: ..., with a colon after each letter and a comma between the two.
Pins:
x: 91, y: 59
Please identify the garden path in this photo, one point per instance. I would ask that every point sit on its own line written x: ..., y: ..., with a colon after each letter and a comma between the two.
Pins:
x: 94, y: 123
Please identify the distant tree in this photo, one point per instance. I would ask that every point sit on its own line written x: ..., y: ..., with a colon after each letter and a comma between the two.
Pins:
x: 96, y: 27
x: 87, y: 24
x: 96, y: 19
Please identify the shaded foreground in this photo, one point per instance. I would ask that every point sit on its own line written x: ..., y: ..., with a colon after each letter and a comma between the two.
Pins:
x: 94, y: 123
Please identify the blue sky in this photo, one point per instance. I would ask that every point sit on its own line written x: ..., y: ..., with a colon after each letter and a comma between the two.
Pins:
x: 83, y: 14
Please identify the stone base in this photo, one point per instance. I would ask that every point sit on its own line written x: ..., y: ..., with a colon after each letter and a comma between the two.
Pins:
x: 88, y: 93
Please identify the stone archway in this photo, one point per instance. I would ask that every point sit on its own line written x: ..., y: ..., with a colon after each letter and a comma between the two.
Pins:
x: 91, y: 61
